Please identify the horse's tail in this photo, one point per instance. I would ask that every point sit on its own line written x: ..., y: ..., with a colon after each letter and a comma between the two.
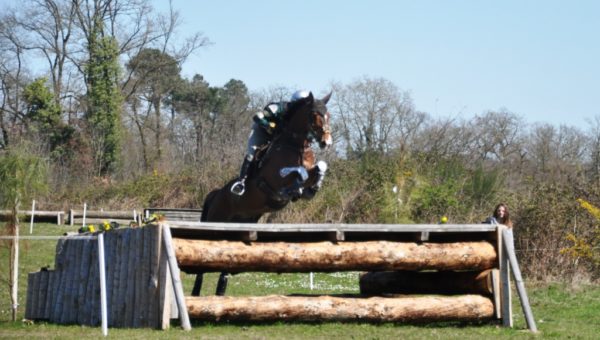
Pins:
x: 207, y: 201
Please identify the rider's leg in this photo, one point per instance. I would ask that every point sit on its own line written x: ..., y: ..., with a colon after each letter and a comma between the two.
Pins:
x: 239, y: 187
x: 257, y: 137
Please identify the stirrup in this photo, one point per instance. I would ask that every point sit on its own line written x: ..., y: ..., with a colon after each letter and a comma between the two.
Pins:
x: 238, y: 188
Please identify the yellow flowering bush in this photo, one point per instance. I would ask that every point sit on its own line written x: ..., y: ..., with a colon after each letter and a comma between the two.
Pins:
x: 582, y: 247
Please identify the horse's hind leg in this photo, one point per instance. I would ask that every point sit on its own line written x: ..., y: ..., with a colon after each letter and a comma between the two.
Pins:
x: 197, y: 284
x: 222, y: 284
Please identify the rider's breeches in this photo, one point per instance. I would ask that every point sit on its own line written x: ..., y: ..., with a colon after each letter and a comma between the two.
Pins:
x: 258, y: 136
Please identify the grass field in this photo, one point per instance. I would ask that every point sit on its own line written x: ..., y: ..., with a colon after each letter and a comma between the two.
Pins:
x: 561, y: 311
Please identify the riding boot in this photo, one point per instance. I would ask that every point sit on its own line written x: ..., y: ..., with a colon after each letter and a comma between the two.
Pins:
x: 239, y: 187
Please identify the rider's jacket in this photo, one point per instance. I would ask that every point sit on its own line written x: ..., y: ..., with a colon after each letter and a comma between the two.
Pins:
x: 270, y: 117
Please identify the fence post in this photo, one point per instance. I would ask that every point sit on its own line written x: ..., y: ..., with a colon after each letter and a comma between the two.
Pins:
x: 32, y: 214
x: 102, y: 271
x: 509, y: 248
x: 506, y: 305
x: 177, y: 286
x: 84, y: 212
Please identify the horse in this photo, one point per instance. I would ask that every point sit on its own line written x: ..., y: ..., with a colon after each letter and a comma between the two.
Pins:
x: 286, y: 170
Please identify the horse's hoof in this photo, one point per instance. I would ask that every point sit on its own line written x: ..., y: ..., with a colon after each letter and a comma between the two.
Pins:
x: 309, y: 193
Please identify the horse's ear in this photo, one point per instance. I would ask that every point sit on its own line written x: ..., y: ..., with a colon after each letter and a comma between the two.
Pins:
x: 327, y: 97
x: 310, y: 97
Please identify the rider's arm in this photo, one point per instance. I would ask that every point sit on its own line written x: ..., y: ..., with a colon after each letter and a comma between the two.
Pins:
x: 261, y: 118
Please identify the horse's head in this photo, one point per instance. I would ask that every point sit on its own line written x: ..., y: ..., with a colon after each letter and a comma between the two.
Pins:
x: 309, y: 116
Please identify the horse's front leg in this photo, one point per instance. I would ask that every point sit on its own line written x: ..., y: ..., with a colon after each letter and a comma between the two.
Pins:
x: 315, y: 180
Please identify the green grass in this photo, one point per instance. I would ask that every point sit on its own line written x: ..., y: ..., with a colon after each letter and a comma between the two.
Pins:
x: 561, y: 311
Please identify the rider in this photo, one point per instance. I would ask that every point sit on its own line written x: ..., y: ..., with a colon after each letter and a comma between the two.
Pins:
x: 263, y: 130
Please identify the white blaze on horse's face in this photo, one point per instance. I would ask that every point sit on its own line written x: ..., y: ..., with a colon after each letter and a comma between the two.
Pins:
x: 326, y: 139
x: 321, y: 129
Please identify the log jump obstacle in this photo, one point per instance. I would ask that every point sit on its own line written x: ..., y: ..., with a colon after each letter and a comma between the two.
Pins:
x: 466, y: 266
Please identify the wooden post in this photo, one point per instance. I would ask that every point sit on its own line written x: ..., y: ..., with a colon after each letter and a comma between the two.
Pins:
x: 496, y: 291
x: 506, y: 305
x: 84, y: 212
x: 509, y: 248
x: 178, y: 287
x: 15, y: 271
x: 32, y: 216
x: 102, y: 271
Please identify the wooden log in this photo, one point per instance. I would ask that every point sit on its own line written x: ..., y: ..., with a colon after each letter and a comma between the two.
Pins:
x: 136, y: 273
x: 43, y: 293
x: 83, y: 276
x: 143, y: 311
x: 62, y: 256
x: 329, y: 308
x: 54, y: 295
x: 35, y: 295
x: 122, y: 301
x: 72, y: 310
x: 130, y: 284
x: 39, y: 215
x: 29, y: 313
x: 205, y: 255
x: 89, y: 297
x: 432, y: 282
x: 114, y: 273
x: 153, y: 319
x: 125, y: 215
x: 95, y: 287
x: 98, y: 221
x: 50, y: 294
x: 35, y: 285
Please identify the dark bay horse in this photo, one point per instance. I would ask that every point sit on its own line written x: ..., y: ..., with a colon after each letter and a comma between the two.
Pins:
x: 285, y: 171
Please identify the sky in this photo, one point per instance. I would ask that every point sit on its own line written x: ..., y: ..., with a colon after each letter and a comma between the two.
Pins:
x: 537, y: 59
x: 457, y: 58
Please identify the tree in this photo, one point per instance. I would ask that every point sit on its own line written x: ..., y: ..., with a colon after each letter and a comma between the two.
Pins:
x: 22, y: 175
x: 12, y: 78
x: 232, y: 115
x: 44, y: 119
x: 104, y: 100
x: 556, y: 152
x: 497, y: 135
x: 373, y: 115
x: 49, y: 26
x: 156, y: 75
